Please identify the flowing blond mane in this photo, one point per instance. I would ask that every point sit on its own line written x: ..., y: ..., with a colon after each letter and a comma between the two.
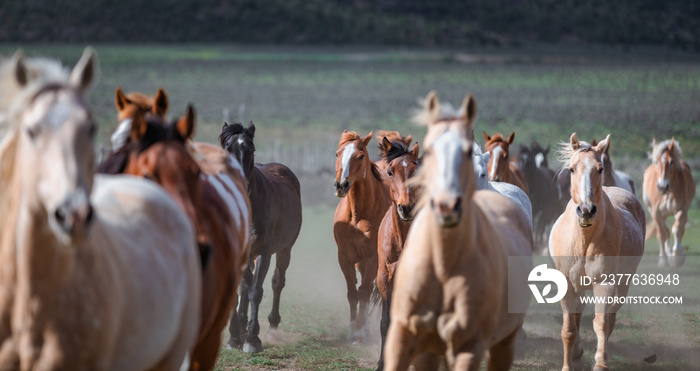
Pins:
x: 659, y: 148
x: 566, y: 152
x: 422, y: 116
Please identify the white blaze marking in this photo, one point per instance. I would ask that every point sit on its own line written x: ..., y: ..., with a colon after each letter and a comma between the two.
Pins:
x: 347, y: 155
x: 120, y: 136
x: 539, y: 159
x: 586, y: 182
x: 448, y: 153
x: 404, y: 164
x: 241, y: 141
x: 495, y: 155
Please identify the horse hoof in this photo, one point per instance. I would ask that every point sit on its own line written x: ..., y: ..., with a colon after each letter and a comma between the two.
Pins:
x: 252, y: 348
x: 676, y: 261
x: 234, y: 344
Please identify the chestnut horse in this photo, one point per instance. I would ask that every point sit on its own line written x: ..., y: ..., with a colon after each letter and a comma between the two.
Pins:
x: 669, y: 189
x: 451, y: 286
x: 598, y: 222
x: 501, y: 169
x: 275, y: 200
x: 212, y: 193
x: 400, y: 164
x: 364, y: 202
x: 126, y: 103
x: 105, y: 271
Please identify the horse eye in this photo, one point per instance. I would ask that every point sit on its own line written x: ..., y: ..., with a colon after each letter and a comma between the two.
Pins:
x: 470, y: 151
x: 389, y: 172
x: 670, y: 162
x: 32, y: 132
x: 336, y: 154
x: 92, y: 131
x: 600, y: 171
x: 571, y: 169
x: 361, y: 157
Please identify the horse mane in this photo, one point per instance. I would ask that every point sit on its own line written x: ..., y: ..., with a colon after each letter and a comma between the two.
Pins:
x: 398, y: 149
x: 659, y: 148
x: 348, y: 136
x: 230, y: 130
x: 497, y: 137
x: 476, y: 149
x: 422, y: 116
x: 565, y: 152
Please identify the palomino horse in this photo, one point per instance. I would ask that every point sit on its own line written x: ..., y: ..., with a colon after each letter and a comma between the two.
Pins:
x: 215, y: 204
x: 450, y: 291
x: 276, y: 204
x: 612, y: 177
x: 542, y: 189
x: 400, y: 164
x: 501, y: 169
x: 364, y: 202
x: 105, y: 272
x: 669, y: 189
x: 598, y: 222
x: 514, y: 193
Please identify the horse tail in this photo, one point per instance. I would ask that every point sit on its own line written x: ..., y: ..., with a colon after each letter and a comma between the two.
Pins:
x: 375, y: 298
x: 651, y: 230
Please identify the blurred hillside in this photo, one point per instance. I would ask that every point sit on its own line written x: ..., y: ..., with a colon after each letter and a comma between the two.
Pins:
x: 674, y: 23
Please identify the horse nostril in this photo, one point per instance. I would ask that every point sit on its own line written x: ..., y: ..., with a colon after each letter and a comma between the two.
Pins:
x: 345, y: 184
x: 458, y: 204
x: 60, y: 215
x: 88, y: 217
x: 594, y: 209
x: 579, y: 212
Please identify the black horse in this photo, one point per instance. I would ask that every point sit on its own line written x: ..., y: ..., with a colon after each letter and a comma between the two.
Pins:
x: 276, y: 207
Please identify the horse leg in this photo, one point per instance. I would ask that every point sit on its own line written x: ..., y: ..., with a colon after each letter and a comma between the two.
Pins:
x: 239, y: 318
x: 252, y: 342
x: 279, y: 279
x: 383, y: 329
x: 350, y: 274
x: 678, y: 229
x: 400, y: 347
x: 427, y: 361
x: 570, y: 337
x: 603, y: 323
x: 662, y: 236
x: 467, y: 358
x: 501, y: 354
x: 369, y: 273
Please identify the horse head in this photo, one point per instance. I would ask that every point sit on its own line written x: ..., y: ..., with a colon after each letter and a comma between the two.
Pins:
x: 352, y: 161
x: 499, y: 149
x: 585, y: 165
x: 667, y: 162
x: 238, y: 141
x: 448, y: 175
x: 401, y: 164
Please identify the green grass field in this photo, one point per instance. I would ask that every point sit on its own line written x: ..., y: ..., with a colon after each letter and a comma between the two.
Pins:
x: 302, y: 98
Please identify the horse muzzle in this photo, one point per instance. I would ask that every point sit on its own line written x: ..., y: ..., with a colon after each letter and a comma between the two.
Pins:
x: 586, y: 213
x: 72, y: 218
x: 448, y: 211
x: 405, y: 212
x: 341, y: 188
x: 663, y: 186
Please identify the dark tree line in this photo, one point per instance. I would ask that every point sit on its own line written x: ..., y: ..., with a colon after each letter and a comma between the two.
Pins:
x: 412, y: 22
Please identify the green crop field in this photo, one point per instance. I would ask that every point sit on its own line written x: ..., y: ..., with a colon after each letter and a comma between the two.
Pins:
x: 301, y: 99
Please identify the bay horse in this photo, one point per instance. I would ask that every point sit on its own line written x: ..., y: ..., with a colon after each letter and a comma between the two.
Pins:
x: 501, y: 169
x: 598, y: 222
x: 363, y: 204
x: 450, y: 290
x: 211, y: 191
x: 612, y: 177
x: 105, y: 272
x: 668, y: 190
x: 400, y: 163
x: 542, y: 188
x: 275, y: 200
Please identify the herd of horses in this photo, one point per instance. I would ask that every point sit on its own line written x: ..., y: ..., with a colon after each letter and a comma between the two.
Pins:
x: 138, y: 262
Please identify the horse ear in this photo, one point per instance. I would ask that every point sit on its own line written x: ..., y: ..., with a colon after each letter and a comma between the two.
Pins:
x: 386, y: 145
x: 603, y: 145
x: 120, y: 99
x: 138, y: 127
x: 486, y: 137
x: 407, y: 139
x: 511, y: 137
x: 653, y: 142
x: 185, y: 125
x: 486, y: 156
x: 85, y: 71
x: 415, y: 150
x: 432, y: 104
x: 366, y: 139
x: 225, y: 125
x: 160, y: 104
x: 672, y: 144
x: 21, y: 73
x: 594, y: 142
x: 251, y: 129
x: 574, y: 141
x: 468, y: 108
